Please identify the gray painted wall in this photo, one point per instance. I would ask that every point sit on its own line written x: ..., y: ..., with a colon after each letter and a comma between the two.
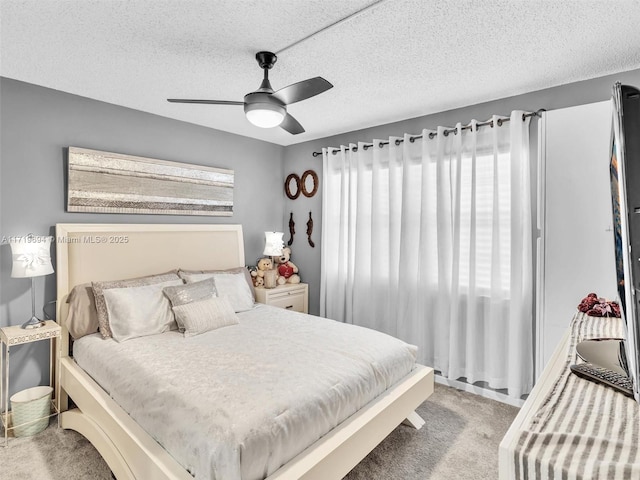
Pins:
x: 298, y: 158
x: 38, y: 124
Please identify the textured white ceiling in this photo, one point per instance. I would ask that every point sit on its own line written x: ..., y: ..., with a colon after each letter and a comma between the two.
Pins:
x: 398, y: 59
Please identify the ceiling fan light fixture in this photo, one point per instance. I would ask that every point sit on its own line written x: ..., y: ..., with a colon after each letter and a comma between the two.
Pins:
x: 266, y: 108
x: 265, y: 115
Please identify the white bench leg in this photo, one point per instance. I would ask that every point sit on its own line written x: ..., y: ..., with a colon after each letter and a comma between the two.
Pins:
x: 414, y: 420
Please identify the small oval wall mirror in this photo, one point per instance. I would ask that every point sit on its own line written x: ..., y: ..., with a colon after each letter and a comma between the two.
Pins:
x: 309, y: 183
x: 292, y: 186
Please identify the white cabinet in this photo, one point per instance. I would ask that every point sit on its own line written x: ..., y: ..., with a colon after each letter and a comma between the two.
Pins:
x: 291, y: 297
x: 576, y: 248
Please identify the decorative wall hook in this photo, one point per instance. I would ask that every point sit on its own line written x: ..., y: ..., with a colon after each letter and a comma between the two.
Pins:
x: 292, y: 229
x: 310, y: 231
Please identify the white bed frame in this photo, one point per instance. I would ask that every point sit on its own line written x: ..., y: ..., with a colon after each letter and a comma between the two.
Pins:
x: 87, y: 252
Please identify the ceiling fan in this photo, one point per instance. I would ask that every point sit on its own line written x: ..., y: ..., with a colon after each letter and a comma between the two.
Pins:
x: 266, y: 108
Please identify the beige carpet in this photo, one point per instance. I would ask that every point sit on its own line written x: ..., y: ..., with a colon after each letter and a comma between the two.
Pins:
x: 459, y: 441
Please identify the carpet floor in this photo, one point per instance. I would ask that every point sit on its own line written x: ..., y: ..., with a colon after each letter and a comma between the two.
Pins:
x: 459, y: 441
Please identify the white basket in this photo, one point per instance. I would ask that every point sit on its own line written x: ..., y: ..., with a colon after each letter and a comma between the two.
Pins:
x: 30, y: 410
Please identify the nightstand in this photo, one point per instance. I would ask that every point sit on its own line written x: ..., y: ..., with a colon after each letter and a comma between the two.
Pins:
x: 11, y: 336
x: 289, y: 296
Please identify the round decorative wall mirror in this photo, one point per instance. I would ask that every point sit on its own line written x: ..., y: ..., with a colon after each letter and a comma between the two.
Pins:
x: 309, y: 183
x: 292, y: 186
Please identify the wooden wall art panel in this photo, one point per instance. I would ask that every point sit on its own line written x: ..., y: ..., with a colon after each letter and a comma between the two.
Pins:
x: 106, y: 182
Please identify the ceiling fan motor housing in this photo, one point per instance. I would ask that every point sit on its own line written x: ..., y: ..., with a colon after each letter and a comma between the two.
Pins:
x: 254, y: 99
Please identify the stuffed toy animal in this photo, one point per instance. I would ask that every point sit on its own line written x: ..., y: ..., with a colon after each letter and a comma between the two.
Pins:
x: 253, y: 271
x: 286, y: 268
x: 257, y: 273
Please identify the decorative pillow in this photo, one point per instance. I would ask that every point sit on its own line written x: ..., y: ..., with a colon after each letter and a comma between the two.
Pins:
x: 100, y: 287
x: 245, y: 271
x: 205, y: 315
x: 82, y: 318
x: 231, y: 285
x: 191, y: 292
x: 139, y: 311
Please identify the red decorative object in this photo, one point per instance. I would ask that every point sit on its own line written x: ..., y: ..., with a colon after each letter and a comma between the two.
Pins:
x: 594, y: 306
x: 285, y: 270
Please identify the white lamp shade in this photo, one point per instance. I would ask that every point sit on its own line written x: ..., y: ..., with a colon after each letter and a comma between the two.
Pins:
x: 31, y: 256
x: 273, y: 244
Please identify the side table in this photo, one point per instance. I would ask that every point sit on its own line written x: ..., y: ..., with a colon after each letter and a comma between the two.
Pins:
x: 15, y: 335
x: 290, y: 296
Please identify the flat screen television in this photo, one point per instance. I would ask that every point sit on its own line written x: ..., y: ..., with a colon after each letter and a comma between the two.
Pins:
x: 622, y: 356
x: 625, y: 199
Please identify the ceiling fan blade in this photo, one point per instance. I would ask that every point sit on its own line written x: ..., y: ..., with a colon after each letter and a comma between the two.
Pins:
x: 210, y: 102
x: 302, y: 90
x: 291, y: 125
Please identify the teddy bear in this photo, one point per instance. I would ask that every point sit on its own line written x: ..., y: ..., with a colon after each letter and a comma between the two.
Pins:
x: 255, y: 279
x: 286, y: 268
x: 257, y: 273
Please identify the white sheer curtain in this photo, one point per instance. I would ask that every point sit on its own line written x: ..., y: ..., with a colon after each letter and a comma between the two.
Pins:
x: 430, y: 241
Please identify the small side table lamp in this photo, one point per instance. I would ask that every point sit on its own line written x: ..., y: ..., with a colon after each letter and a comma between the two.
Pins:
x: 273, y: 245
x: 31, y: 258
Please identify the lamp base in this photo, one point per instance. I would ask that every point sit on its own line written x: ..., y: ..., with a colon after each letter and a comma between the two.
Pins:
x: 270, y: 278
x: 33, y: 322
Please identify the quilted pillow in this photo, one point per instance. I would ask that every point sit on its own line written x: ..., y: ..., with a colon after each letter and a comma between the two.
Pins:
x: 191, y: 292
x: 205, y: 315
x: 100, y: 287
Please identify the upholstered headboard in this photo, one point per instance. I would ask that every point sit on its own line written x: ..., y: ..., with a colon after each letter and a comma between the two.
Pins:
x: 92, y: 252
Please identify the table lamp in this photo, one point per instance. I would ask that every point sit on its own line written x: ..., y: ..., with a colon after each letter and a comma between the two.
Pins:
x: 273, y: 245
x: 31, y: 258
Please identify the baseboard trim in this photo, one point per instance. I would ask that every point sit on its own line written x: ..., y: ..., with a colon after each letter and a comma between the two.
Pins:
x: 483, y: 392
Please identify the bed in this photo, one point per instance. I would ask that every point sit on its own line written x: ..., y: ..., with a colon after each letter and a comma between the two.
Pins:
x: 86, y: 252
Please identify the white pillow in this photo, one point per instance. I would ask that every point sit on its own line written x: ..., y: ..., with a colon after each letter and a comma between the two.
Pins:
x: 190, y: 292
x: 204, y: 315
x: 139, y: 311
x: 231, y: 285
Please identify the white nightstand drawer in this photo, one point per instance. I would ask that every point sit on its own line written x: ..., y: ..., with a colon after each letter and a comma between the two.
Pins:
x: 291, y: 297
x: 290, y: 301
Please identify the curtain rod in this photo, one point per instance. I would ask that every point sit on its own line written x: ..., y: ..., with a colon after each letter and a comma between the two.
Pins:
x: 413, y: 138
